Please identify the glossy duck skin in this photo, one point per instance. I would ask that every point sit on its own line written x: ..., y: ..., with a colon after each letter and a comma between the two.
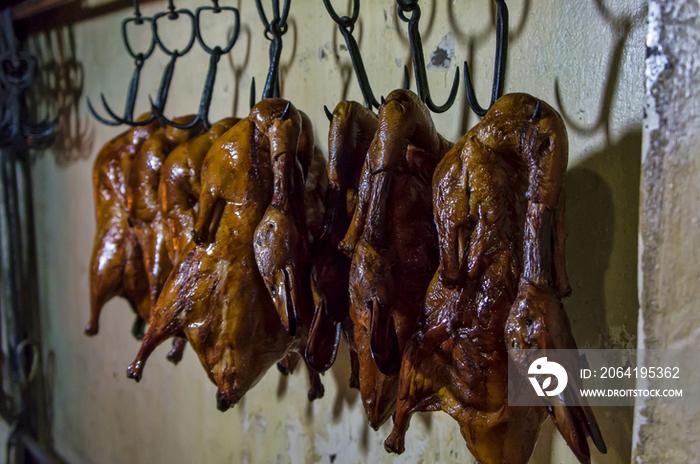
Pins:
x: 351, y: 132
x: 537, y: 321
x: 281, y: 240
x: 215, y: 295
x: 315, y: 193
x: 458, y: 360
x: 178, y: 191
x: 144, y: 207
x: 315, y: 179
x: 394, y: 245
x: 180, y: 186
x: 116, y: 266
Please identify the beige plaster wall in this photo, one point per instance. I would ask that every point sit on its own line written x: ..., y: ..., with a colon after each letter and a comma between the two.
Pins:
x: 594, y: 48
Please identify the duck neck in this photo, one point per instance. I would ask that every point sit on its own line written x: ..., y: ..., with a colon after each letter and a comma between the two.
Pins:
x: 537, y: 244
x: 285, y: 187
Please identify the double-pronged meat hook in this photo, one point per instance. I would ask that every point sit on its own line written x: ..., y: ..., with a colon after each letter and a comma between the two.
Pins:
x: 172, y: 14
x: 16, y: 75
x: 215, y: 54
x: 411, y: 6
x: 274, y: 30
x: 499, y: 68
x: 139, y: 59
x: 346, y: 24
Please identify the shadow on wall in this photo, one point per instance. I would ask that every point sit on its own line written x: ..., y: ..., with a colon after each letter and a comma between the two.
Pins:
x: 239, y: 69
x: 602, y: 243
x: 608, y: 177
x: 345, y: 396
x: 593, y: 188
x: 58, y: 86
x: 602, y: 201
x: 602, y: 212
x: 291, y: 39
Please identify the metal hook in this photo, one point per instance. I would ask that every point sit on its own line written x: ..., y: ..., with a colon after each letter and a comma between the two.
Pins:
x: 499, y: 67
x: 139, y: 59
x: 346, y: 24
x: 285, y: 113
x: 329, y: 115
x: 162, y: 95
x: 215, y: 54
x: 252, y: 92
x: 172, y: 15
x: 17, y: 69
x: 274, y: 31
x: 423, y: 89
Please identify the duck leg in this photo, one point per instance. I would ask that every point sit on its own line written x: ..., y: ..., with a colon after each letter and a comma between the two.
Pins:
x: 106, y: 269
x: 316, y: 389
x: 168, y: 318
x: 175, y: 354
x: 289, y: 363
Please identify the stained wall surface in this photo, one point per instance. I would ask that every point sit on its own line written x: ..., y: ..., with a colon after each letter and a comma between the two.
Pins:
x: 593, y: 49
x: 669, y: 244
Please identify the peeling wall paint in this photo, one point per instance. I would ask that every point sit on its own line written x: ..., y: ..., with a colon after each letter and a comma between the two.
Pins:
x: 593, y: 49
x: 444, y: 53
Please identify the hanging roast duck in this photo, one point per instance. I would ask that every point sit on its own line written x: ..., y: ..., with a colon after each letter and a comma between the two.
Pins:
x: 499, y: 215
x: 351, y: 132
x: 227, y: 314
x: 145, y: 212
x: 180, y: 185
x: 393, y: 244
x: 537, y: 319
x: 143, y: 202
x: 116, y: 266
x: 282, y: 239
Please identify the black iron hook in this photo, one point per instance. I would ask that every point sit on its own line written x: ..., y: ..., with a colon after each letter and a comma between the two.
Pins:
x: 139, y: 59
x: 215, y: 54
x: 17, y: 69
x: 499, y: 67
x: 252, y: 92
x: 346, y: 24
x: 423, y: 89
x: 274, y: 30
x: 285, y: 113
x: 172, y: 14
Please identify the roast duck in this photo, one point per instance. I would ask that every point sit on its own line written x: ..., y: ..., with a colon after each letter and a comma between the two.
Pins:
x: 393, y: 245
x: 116, y: 266
x: 216, y: 296
x: 438, y: 263
x: 172, y: 224
x: 351, y: 132
x: 180, y: 184
x: 498, y: 208
x: 129, y: 256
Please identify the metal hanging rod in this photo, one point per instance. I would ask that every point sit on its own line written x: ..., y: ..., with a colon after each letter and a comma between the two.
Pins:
x: 29, y: 8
